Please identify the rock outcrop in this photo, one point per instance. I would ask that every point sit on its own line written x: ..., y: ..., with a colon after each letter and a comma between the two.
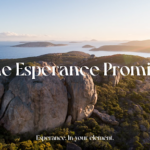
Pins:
x: 1, y: 90
x: 72, y: 146
x: 5, y: 102
x: 68, y: 121
x: 143, y: 128
x: 114, y: 79
x: 142, y: 86
x: 106, y: 118
x: 83, y: 96
x: 34, y: 105
x: 106, y: 79
x: 4, y: 79
x: 97, y: 79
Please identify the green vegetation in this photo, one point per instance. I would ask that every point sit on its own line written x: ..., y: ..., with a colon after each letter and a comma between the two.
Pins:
x: 60, y: 59
x: 131, y: 109
x: 121, y: 59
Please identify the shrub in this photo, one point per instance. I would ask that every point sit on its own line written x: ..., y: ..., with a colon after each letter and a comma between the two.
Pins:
x: 1, y: 146
x: 145, y: 135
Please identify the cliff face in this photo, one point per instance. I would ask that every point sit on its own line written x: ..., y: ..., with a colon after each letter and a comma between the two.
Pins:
x: 83, y: 96
x: 42, y: 104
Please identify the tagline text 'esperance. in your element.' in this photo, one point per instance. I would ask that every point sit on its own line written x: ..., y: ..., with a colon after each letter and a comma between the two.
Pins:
x: 68, y: 71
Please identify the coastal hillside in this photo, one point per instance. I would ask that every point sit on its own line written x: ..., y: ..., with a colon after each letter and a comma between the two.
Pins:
x: 115, y: 108
x: 132, y: 46
x: 145, y: 43
x: 118, y: 59
x: 58, y: 58
x: 78, y: 58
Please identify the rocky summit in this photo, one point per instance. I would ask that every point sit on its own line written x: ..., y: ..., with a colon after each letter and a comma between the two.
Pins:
x: 83, y: 96
x: 29, y: 105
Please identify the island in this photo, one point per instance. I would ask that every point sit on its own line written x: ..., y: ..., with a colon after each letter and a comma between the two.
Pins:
x: 144, y: 43
x: 132, y: 46
x: 93, y: 40
x: 75, y: 42
x: 88, y: 46
x: 38, y: 44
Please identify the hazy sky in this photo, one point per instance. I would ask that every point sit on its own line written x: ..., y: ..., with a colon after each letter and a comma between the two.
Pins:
x: 74, y: 19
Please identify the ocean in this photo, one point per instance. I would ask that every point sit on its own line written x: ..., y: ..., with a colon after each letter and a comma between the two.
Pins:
x: 9, y: 52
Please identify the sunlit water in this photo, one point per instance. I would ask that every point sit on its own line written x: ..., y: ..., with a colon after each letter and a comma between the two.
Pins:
x: 7, y: 52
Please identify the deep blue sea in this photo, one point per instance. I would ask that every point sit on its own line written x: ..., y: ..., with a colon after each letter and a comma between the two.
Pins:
x: 7, y: 52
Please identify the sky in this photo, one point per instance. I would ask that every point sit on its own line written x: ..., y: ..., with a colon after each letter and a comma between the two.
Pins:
x: 77, y: 20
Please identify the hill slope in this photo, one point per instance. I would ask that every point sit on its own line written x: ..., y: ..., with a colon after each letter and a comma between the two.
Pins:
x: 132, y: 46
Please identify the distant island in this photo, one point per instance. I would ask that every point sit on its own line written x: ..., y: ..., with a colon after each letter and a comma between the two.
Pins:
x: 88, y: 46
x: 38, y: 44
x: 75, y: 42
x: 93, y: 40
x: 145, y: 43
x: 132, y: 46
